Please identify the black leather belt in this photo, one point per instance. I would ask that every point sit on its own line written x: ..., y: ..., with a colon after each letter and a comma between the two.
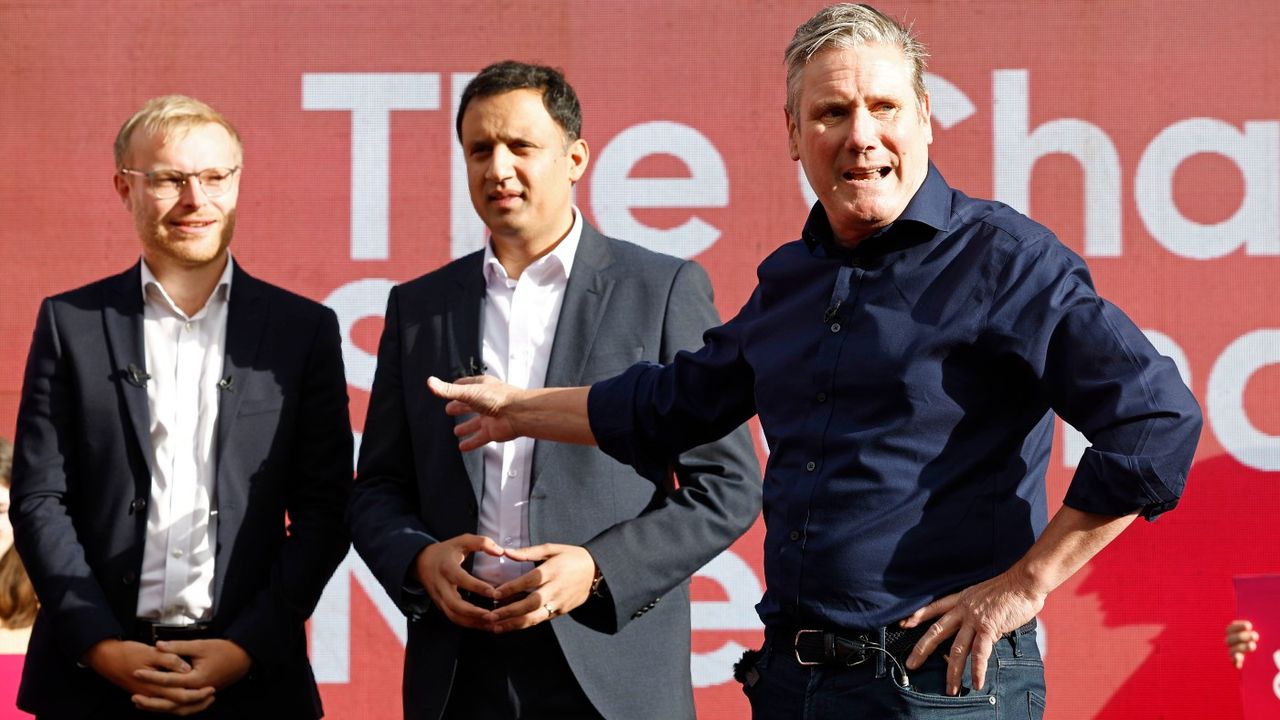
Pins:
x: 818, y: 646
x: 149, y: 632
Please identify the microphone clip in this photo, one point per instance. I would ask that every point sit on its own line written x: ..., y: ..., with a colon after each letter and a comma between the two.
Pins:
x: 136, y: 376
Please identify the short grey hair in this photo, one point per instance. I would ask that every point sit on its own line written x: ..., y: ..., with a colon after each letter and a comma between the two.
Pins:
x: 848, y: 25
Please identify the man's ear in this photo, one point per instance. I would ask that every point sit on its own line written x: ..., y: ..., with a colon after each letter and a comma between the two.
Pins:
x: 123, y: 189
x: 926, y: 119
x: 579, y: 157
x: 793, y: 135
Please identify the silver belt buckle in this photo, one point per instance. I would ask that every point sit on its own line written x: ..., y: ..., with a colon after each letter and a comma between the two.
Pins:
x: 795, y: 647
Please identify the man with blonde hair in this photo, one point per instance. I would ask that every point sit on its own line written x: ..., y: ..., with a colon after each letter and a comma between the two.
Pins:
x: 906, y: 356
x: 171, y: 417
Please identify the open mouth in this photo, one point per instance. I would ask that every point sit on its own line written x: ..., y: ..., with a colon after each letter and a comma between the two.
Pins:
x: 856, y: 175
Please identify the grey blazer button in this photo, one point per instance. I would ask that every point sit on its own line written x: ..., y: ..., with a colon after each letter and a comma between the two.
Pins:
x: 138, y: 505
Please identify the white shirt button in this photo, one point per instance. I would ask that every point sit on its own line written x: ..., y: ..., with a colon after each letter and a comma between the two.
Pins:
x: 177, y: 553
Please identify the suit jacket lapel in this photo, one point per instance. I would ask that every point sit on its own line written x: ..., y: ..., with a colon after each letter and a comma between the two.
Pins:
x: 122, y: 317
x: 463, y: 343
x: 585, y: 298
x: 246, y: 320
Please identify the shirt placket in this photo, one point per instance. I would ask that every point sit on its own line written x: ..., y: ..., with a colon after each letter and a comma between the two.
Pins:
x: 187, y: 361
x: 519, y: 349
x: 837, y: 319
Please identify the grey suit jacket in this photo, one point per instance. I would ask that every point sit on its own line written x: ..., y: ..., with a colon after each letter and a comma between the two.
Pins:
x: 622, y: 305
x: 81, y: 483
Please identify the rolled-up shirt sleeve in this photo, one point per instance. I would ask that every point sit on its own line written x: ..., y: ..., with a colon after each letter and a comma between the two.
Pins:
x: 1101, y: 374
x: 653, y: 412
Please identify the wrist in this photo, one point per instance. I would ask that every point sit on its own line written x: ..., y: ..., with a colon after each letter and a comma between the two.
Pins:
x: 1033, y: 579
x: 598, y: 587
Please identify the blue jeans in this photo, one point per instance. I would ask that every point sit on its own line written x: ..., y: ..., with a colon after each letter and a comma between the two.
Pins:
x: 783, y: 689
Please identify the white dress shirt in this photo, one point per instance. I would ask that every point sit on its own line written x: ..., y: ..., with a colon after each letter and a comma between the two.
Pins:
x: 184, y: 361
x: 519, y: 325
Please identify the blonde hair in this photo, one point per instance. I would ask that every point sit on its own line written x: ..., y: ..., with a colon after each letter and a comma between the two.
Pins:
x: 17, y: 598
x: 169, y: 114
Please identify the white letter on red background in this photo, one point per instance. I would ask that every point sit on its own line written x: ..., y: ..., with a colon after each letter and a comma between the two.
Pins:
x: 1242, y: 358
x: 1255, y: 224
x: 1016, y: 150
x: 370, y: 97
x: 613, y: 194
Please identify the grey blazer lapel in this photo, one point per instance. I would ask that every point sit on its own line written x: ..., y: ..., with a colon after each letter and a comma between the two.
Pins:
x: 463, y: 343
x: 122, y: 318
x: 585, y: 298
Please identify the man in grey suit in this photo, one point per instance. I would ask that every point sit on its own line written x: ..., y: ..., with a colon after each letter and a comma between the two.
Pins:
x: 534, y: 575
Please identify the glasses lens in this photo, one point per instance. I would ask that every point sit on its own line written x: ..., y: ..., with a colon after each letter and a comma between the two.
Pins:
x: 166, y: 184
x: 215, y: 181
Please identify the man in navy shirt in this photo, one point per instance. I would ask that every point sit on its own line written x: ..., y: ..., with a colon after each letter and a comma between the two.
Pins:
x: 906, y: 357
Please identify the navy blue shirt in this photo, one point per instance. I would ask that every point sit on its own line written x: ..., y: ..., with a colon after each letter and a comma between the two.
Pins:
x: 906, y: 389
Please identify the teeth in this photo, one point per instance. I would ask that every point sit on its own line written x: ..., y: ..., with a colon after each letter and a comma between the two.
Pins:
x: 864, y: 175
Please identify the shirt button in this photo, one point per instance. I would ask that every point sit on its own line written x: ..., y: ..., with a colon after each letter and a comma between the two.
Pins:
x: 835, y: 327
x: 187, y: 325
x: 512, y: 473
x: 177, y: 553
x: 794, y: 535
x: 810, y: 466
x: 506, y: 541
x: 822, y: 397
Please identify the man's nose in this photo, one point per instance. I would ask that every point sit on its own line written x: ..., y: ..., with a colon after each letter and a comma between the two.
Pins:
x: 193, y: 193
x: 500, y: 164
x: 863, y: 131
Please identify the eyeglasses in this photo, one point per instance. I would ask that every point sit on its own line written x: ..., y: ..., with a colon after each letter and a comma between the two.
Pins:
x: 166, y: 184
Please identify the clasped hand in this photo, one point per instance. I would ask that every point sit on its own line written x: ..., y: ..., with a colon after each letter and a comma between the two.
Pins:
x: 174, y: 677
x: 559, y: 584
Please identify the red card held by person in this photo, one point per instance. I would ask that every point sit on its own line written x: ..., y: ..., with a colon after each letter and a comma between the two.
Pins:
x: 1258, y: 601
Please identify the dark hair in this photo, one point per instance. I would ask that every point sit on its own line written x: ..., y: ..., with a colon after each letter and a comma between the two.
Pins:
x: 558, y: 96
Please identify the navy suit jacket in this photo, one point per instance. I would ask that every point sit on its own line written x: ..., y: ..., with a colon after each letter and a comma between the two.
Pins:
x: 622, y: 304
x: 81, y: 483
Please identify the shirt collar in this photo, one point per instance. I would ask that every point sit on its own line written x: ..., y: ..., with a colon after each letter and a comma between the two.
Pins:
x: 561, y: 255
x: 929, y: 207
x: 221, y: 291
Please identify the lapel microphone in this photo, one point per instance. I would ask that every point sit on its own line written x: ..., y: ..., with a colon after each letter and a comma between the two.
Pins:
x: 136, y: 377
x: 839, y: 294
x: 227, y: 383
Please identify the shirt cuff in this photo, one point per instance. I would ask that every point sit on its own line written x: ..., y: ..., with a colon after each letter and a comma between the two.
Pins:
x: 1114, y: 484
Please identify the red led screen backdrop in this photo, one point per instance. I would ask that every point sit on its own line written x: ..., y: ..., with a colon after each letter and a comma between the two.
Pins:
x: 1146, y: 134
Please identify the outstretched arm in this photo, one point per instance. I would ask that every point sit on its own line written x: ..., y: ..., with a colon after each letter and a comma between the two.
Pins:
x: 504, y: 412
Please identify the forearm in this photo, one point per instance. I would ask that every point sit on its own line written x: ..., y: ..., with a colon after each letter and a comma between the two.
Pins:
x: 558, y: 414
x: 1070, y: 540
